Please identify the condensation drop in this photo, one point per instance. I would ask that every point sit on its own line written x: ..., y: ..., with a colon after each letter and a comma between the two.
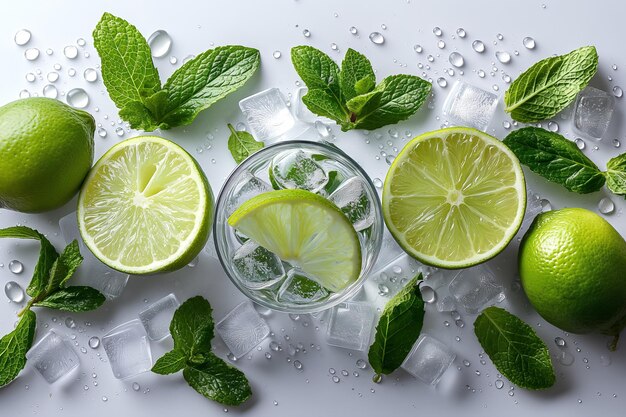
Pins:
x: 31, y: 54
x: 377, y: 182
x: 503, y: 57
x: 90, y: 74
x: 418, y: 48
x: 160, y: 43
x: 553, y: 126
x: 94, y: 342
x: 580, y: 143
x: 14, y: 292
x: 437, y: 31
x: 528, y: 42
x: 354, y: 30
x: 77, y: 97
x: 461, y: 32
x: 70, y: 52
x: 456, y: 59
x: 377, y: 38
x: 50, y: 91
x: 441, y: 82
x: 277, y: 54
x: 565, y: 358
x: 428, y: 294
x: 606, y: 206
x: 22, y: 37
x: 306, y: 33
x: 478, y: 46
x: 16, y: 266
x: 618, y: 92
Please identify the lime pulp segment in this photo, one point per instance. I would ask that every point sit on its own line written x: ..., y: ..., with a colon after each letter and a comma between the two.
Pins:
x: 454, y: 197
x: 305, y: 230
x: 146, y: 206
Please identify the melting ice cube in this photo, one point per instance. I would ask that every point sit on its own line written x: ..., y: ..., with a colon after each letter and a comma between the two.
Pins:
x: 242, y: 329
x: 297, y: 170
x: 428, y: 360
x: 267, y: 114
x: 350, y: 325
x: 593, y: 112
x: 470, y: 106
x: 475, y: 287
x: 128, y: 349
x: 157, y: 317
x: 257, y: 267
x: 53, y: 357
x: 300, y: 288
x: 352, y: 199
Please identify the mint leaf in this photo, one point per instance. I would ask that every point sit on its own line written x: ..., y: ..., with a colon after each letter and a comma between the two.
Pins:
x: 550, y: 85
x: 172, y: 362
x: 398, y: 328
x: 616, y: 174
x: 356, y: 69
x: 241, y: 144
x: 64, y: 266
x: 365, y: 103
x: 127, y: 68
x: 218, y: 381
x: 401, y: 96
x: 192, y: 327
x: 556, y: 159
x: 515, y: 349
x: 13, y: 348
x: 324, y: 104
x: 335, y: 178
x: 74, y: 299
x: 47, y: 256
x: 207, y: 78
x: 317, y: 70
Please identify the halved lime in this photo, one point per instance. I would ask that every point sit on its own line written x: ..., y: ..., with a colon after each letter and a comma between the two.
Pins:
x: 454, y: 197
x: 146, y: 206
x: 305, y: 230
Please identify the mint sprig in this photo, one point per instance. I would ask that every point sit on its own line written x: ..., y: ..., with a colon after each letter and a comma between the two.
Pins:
x: 48, y: 289
x: 192, y: 331
x: 515, y: 349
x: 350, y: 96
x: 398, y: 328
x: 241, y: 144
x: 133, y: 82
x: 559, y: 160
x: 550, y: 85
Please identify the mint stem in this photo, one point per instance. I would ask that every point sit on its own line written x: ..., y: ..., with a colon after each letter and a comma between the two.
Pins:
x: 613, y: 343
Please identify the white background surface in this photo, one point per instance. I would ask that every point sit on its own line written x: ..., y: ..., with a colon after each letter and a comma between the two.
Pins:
x: 195, y: 26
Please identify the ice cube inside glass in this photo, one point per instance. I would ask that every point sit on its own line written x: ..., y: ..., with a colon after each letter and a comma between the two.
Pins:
x: 53, y: 357
x: 258, y: 267
x: 428, y: 360
x: 467, y: 105
x: 350, y: 325
x: 157, y: 317
x: 128, y: 349
x: 242, y: 329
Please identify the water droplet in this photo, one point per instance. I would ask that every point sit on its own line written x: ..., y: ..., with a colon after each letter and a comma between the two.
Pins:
x: 70, y: 52
x: 173, y: 60
x: 77, y: 97
x: 332, y: 371
x: 616, y: 143
x: 353, y: 30
x: 83, y: 350
x: 102, y: 132
x: 460, y: 323
x: 506, y: 125
x: 618, y: 92
x: 461, y: 32
x: 22, y: 37
x: 418, y: 48
x: 361, y: 364
x: 30, y: 77
x: 499, y: 383
x: 16, y: 266
x: 377, y: 38
x: 441, y: 44
x: 512, y: 392
x: 437, y: 31
x: 94, y: 342
x: 105, y: 399
x: 478, y: 46
x: 503, y: 57
x: 606, y: 206
x: 50, y: 91
x: 119, y: 131
x: 335, y: 379
x: 274, y: 346
x: 383, y: 289
x: 553, y: 126
x: 334, y: 46
x: 275, y: 402
x: 430, y: 58
x: 466, y: 363
x: 456, y: 59
x: 14, y: 292
x: 565, y: 358
x: 377, y: 182
x: 71, y: 72
x: 160, y: 43
x: 70, y: 323
x: 297, y: 364
x: 276, y: 54
x: 90, y: 74
x: 481, y: 73
x: 559, y: 341
x: 441, y: 82
x: 446, y: 323
x: 231, y: 357
x: 495, y: 87
x: 428, y: 294
x: 377, y: 378
x: 477, y: 372
x: 580, y: 143
x: 31, y: 54
x: 528, y: 42
x: 306, y: 33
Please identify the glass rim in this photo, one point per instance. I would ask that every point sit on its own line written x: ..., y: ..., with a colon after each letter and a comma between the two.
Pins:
x: 365, y: 272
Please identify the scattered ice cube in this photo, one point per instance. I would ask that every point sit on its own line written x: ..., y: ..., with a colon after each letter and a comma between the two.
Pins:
x: 300, y: 288
x: 470, y: 106
x: 92, y: 271
x: 350, y: 325
x: 593, y: 112
x: 446, y: 304
x: 128, y: 349
x: 302, y: 111
x: 157, y: 317
x: 248, y: 187
x: 257, y: 267
x: 439, y: 278
x: 53, y: 357
x: 352, y: 199
x: 297, y: 170
x: 474, y: 287
x: 242, y: 329
x: 428, y: 360
x: 267, y: 115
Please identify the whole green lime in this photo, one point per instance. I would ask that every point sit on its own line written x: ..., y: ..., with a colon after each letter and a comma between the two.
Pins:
x: 573, y: 270
x: 46, y: 150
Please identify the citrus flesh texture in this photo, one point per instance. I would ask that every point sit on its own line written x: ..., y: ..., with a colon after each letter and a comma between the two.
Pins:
x: 573, y: 270
x: 46, y: 150
x: 306, y: 230
x: 145, y: 207
x: 454, y: 197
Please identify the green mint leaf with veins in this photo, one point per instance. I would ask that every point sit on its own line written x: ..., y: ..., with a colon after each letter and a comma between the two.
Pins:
x: 401, y: 96
x: 242, y: 144
x: 318, y: 71
x: 13, y: 348
x: 47, y: 256
x: 74, y: 299
x: 127, y: 68
x: 209, y: 77
x: 172, y: 362
x: 356, y: 69
x: 616, y: 174
x: 218, y: 381
x: 322, y: 103
x: 365, y: 103
x: 192, y: 327
x: 398, y: 328
x: 64, y: 266
x: 515, y: 349
x: 556, y: 159
x: 550, y: 85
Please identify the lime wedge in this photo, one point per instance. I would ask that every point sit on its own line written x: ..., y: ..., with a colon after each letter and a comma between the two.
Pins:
x: 454, y: 197
x: 146, y: 206
x: 305, y: 230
